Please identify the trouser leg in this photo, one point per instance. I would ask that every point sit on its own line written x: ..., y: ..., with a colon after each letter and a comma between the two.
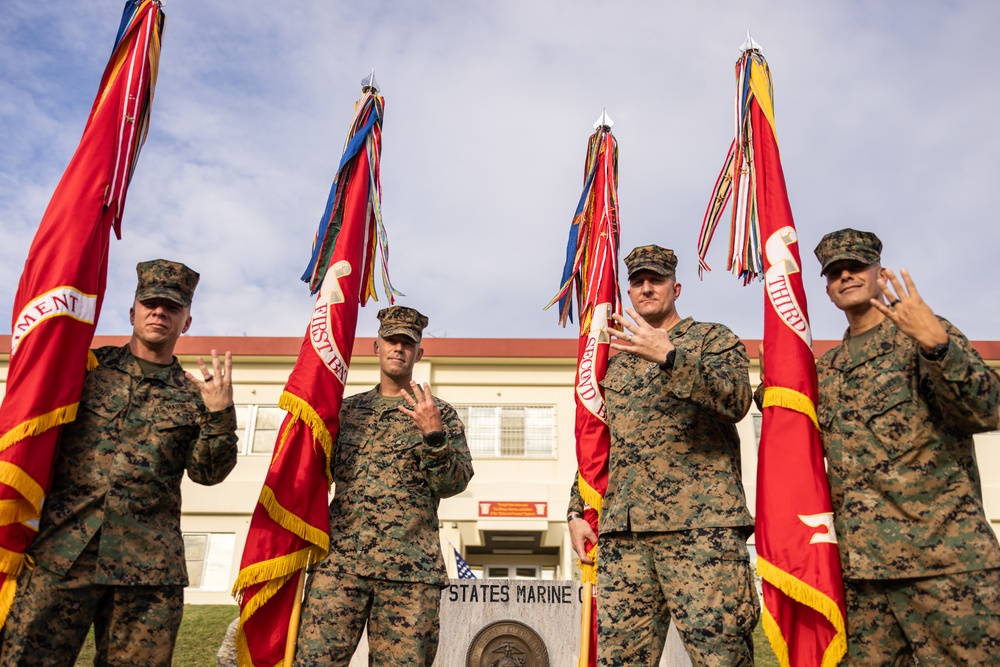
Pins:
x: 49, y: 619
x: 632, y: 615
x: 404, y: 626
x: 137, y: 625
x: 334, y: 612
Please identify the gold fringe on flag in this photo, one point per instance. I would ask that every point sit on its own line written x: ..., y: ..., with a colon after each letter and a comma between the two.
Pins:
x: 802, y: 592
x: 783, y: 397
x: 300, y: 409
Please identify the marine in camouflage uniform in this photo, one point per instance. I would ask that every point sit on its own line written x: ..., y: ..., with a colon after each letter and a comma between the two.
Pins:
x: 398, y: 452
x: 899, y: 402
x: 109, y: 549
x: 674, y: 522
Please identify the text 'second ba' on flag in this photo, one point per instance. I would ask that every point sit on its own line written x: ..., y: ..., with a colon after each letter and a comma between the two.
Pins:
x: 290, y: 527
x: 61, y: 291
x: 803, y: 614
x: 591, y: 268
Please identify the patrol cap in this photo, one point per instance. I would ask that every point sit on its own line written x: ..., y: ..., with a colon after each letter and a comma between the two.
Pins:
x: 652, y: 258
x: 163, y: 279
x: 401, y: 320
x: 848, y: 243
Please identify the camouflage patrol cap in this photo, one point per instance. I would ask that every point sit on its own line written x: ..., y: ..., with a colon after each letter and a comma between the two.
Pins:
x: 163, y: 279
x: 401, y: 320
x: 652, y: 258
x: 848, y: 243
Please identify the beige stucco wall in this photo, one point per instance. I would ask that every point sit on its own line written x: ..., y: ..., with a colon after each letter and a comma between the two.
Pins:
x: 227, y: 507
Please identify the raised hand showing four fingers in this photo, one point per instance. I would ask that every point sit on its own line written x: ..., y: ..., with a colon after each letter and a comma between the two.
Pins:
x: 419, y: 405
x: 216, y: 387
x: 908, y: 311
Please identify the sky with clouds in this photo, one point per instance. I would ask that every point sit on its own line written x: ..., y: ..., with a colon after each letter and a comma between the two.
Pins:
x: 886, y: 117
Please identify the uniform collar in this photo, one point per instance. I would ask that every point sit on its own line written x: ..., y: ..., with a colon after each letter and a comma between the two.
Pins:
x: 881, y: 341
x: 122, y: 359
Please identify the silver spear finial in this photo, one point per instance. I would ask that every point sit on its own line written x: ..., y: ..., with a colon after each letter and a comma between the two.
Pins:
x: 604, y: 121
x: 369, y: 84
x: 750, y: 45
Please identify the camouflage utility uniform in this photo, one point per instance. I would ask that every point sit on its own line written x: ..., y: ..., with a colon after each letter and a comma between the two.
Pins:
x: 674, y: 522
x: 918, y: 554
x: 109, y: 535
x: 385, y: 554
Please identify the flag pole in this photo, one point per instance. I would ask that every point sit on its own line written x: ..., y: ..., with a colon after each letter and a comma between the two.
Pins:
x: 588, y: 623
x: 293, y: 621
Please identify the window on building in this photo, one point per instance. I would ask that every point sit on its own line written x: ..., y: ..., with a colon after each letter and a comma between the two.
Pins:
x: 512, y: 572
x: 209, y: 558
x: 257, y: 427
x: 510, y: 431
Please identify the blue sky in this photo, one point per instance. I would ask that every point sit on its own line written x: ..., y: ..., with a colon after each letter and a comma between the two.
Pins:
x: 886, y: 116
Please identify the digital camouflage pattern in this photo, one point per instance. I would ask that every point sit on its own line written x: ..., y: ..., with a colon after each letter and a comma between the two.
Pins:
x: 675, y: 453
x: 897, y: 432
x: 401, y: 320
x: 163, y: 279
x: 384, y: 528
x: 951, y: 619
x: 389, y: 483
x: 402, y: 632
x: 119, y: 472
x: 226, y: 655
x: 848, y: 243
x: 711, y: 597
x: 651, y: 258
x: 675, y: 521
x: 133, y: 625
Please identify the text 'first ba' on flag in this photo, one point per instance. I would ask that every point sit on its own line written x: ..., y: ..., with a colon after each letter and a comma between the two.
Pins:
x: 61, y: 290
x: 803, y: 614
x: 290, y: 527
x: 591, y: 268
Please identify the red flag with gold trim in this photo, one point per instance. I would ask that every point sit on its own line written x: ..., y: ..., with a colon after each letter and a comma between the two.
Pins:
x: 592, y: 269
x: 797, y: 558
x: 61, y: 291
x: 290, y: 527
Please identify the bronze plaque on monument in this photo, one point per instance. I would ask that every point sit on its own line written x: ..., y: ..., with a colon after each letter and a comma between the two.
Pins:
x: 507, y: 644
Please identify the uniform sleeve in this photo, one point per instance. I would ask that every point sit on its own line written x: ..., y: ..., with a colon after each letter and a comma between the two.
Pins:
x: 963, y: 388
x: 715, y: 377
x: 448, y: 466
x: 214, y: 453
x: 575, y: 500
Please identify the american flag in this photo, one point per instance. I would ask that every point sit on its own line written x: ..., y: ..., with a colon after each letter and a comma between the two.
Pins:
x: 464, y: 571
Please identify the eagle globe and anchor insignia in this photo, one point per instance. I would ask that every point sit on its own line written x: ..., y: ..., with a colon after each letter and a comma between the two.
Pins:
x: 507, y: 644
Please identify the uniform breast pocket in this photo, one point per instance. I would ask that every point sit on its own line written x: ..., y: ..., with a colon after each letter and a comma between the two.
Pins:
x: 894, y: 418
x: 172, y: 438
x: 406, y: 454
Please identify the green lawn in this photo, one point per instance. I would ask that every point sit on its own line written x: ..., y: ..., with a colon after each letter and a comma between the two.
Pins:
x: 204, y: 626
x: 199, y: 638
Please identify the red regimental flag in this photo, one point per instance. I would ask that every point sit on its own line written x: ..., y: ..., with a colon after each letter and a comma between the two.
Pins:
x: 796, y: 543
x: 61, y: 290
x: 291, y: 523
x: 592, y: 266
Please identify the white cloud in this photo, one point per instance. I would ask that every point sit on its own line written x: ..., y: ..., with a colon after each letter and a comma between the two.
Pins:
x: 885, y: 120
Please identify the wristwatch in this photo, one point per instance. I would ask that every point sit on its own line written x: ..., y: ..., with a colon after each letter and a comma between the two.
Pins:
x: 573, y: 515
x: 434, y: 438
x: 937, y: 352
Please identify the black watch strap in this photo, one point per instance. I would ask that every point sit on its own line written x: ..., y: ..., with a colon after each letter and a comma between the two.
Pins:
x: 434, y: 438
x: 937, y: 352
